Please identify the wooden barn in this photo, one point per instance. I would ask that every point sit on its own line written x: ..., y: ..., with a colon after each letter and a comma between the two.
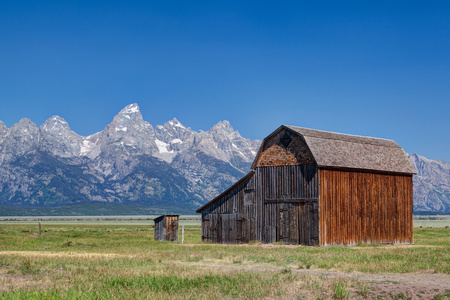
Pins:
x: 312, y: 187
x: 166, y: 228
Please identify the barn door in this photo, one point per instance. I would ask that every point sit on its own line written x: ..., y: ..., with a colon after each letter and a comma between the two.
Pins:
x: 231, y: 228
x: 308, y: 223
x: 287, y: 232
x: 292, y: 223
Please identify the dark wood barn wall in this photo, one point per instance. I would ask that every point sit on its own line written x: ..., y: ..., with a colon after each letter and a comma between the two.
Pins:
x: 289, y: 198
x: 275, y: 204
x: 232, y: 218
x: 365, y: 207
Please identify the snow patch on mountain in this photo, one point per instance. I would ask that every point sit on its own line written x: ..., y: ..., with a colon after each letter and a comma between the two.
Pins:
x: 162, y: 147
x: 85, y: 147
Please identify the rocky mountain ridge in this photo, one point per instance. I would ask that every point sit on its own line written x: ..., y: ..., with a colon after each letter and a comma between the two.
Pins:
x: 431, y: 184
x: 130, y: 161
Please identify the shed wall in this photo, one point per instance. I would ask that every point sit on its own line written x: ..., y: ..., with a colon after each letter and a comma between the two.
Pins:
x: 159, y: 229
x: 361, y: 207
x: 166, y: 228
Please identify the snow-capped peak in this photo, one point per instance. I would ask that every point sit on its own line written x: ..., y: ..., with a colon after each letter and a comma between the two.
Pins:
x: 55, y: 123
x: 130, y: 109
x: 174, y: 122
x: 130, y: 113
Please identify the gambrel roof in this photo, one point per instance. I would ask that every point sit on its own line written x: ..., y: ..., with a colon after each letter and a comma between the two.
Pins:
x: 337, y: 150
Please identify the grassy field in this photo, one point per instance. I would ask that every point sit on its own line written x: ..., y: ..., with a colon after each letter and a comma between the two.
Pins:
x: 422, y: 221
x: 123, y: 261
x: 95, y: 220
x: 435, y: 221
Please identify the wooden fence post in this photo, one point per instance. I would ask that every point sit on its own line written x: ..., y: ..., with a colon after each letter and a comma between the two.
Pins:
x: 182, y: 234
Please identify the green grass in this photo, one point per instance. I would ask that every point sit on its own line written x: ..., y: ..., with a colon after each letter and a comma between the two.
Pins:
x: 125, y: 262
x: 445, y: 295
x: 90, y: 209
x: 432, y: 236
x: 340, y: 290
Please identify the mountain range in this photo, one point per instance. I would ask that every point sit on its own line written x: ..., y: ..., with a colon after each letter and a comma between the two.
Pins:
x: 169, y: 166
x: 130, y: 161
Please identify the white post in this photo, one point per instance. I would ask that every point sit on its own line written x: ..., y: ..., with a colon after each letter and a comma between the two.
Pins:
x: 182, y: 234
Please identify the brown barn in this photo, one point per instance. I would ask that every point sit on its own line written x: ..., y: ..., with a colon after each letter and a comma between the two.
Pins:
x: 314, y: 187
x: 166, y: 228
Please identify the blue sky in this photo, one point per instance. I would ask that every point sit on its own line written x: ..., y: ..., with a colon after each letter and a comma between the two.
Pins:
x: 375, y: 68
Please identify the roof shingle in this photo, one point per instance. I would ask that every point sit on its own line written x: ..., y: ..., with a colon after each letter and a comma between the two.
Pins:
x: 339, y: 150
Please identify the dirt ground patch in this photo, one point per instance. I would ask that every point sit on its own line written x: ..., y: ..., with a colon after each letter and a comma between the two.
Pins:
x: 424, y: 285
x: 412, y: 286
x: 10, y: 282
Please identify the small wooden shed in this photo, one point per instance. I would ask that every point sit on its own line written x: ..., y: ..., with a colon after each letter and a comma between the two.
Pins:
x: 313, y: 187
x: 166, y: 228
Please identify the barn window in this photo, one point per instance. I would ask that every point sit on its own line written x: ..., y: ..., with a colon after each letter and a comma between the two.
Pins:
x: 285, y: 140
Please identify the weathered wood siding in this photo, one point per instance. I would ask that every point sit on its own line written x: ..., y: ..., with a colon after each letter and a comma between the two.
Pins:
x: 289, y: 198
x: 277, y: 204
x: 159, y: 229
x: 362, y: 207
x: 166, y: 228
x: 232, y: 218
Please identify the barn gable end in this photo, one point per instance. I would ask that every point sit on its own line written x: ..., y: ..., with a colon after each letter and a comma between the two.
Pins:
x: 283, y: 148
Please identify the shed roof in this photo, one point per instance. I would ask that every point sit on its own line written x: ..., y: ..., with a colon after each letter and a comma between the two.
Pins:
x: 338, y: 150
x: 158, y: 219
x: 250, y: 174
